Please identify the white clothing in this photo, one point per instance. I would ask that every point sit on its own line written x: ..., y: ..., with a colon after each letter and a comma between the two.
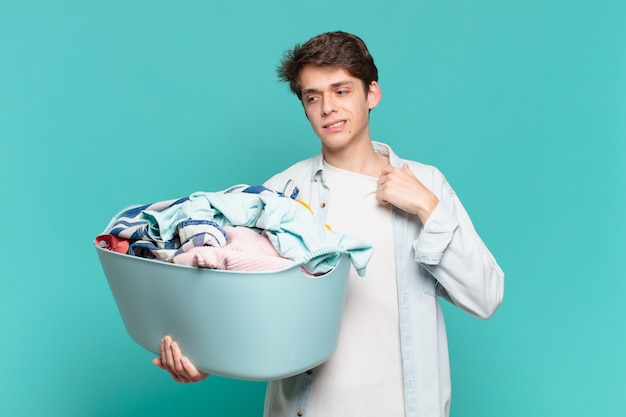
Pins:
x: 364, y: 376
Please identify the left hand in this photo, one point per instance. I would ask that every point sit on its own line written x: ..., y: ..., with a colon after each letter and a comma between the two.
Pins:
x: 179, y: 366
x: 400, y: 187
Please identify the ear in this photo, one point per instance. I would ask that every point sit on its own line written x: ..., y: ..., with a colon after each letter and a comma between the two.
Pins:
x: 374, y: 95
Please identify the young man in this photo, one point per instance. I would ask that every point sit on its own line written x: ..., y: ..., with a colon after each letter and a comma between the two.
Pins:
x: 392, y: 356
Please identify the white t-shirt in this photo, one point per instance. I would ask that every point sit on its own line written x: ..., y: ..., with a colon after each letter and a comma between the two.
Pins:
x: 364, y: 376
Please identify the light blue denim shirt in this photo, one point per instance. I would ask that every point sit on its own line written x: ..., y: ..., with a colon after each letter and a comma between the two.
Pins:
x: 444, y: 257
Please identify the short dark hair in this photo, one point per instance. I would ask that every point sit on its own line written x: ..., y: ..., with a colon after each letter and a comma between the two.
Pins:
x: 330, y: 49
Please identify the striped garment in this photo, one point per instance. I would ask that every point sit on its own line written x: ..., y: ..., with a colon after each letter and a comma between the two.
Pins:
x: 137, y: 225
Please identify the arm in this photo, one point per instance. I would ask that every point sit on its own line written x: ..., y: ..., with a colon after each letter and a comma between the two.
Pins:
x: 448, y: 245
x: 179, y: 367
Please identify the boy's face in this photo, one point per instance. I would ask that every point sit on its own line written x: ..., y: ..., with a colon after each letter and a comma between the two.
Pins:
x: 337, y: 105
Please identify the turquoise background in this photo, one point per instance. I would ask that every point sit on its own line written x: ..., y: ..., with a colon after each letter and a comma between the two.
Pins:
x: 522, y: 104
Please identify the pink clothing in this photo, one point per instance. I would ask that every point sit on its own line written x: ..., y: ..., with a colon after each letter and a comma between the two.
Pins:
x: 245, y: 250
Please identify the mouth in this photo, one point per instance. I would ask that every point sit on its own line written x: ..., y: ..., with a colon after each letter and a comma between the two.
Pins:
x: 335, y: 125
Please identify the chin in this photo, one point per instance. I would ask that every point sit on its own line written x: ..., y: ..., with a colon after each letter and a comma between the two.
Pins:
x: 335, y: 144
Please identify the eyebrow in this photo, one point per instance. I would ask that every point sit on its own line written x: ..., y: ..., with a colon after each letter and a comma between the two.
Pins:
x: 333, y: 85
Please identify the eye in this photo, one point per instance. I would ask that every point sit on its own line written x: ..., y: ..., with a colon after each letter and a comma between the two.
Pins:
x: 311, y: 99
x: 342, y: 92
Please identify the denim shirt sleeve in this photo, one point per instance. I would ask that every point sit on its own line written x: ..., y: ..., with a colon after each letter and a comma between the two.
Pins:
x: 449, y: 247
x: 435, y: 236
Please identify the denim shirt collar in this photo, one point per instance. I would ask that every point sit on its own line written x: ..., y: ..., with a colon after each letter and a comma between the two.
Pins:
x: 379, y: 147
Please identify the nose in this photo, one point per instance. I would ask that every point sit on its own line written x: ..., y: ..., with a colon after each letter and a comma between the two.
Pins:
x: 328, y: 106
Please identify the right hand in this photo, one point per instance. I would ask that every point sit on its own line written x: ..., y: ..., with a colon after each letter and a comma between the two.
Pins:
x: 179, y: 366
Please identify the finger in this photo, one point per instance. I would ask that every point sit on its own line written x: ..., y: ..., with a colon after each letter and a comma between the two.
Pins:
x: 195, y: 374
x: 166, y: 354
x: 406, y: 169
x: 177, y: 355
x: 158, y: 362
x: 380, y: 195
x: 179, y: 367
x: 166, y: 361
x: 172, y: 357
x: 384, y: 176
x: 386, y: 170
x: 176, y: 377
x: 162, y: 347
x: 161, y: 364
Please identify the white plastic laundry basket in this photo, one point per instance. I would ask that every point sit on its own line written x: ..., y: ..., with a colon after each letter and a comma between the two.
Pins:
x: 243, y: 325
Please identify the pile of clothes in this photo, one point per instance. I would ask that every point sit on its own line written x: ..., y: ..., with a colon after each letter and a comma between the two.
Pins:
x: 245, y: 228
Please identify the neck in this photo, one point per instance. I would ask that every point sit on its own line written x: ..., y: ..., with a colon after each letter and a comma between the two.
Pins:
x: 360, y: 158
